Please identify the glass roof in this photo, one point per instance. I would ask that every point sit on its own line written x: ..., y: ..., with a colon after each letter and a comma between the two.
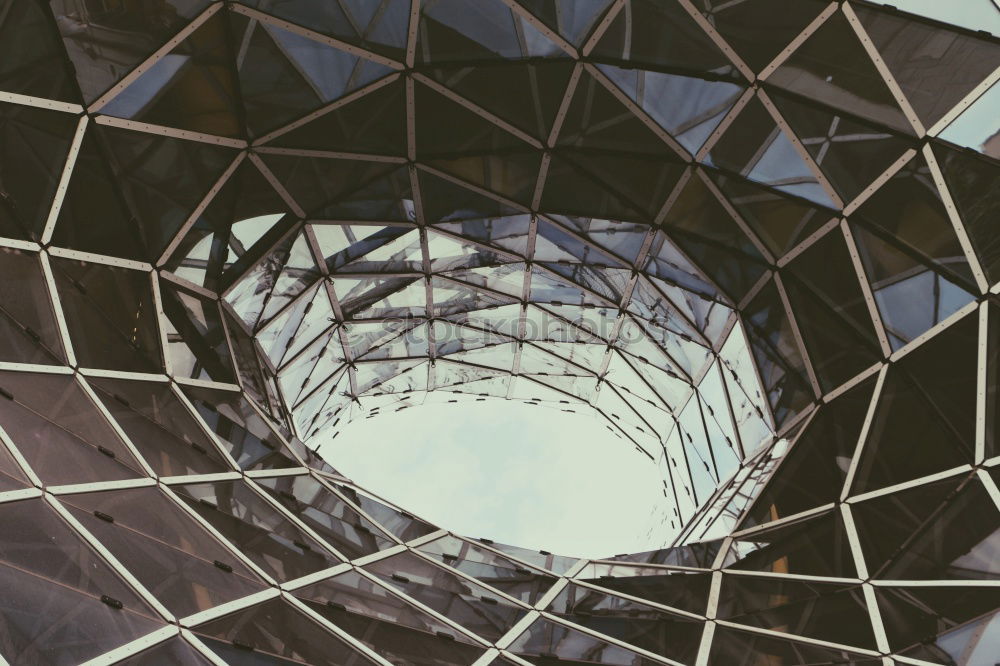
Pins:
x: 755, y: 239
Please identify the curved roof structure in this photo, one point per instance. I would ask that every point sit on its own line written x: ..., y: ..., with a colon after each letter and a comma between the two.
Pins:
x: 756, y: 237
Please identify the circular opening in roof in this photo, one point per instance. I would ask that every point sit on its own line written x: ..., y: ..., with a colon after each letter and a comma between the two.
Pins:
x: 525, y: 474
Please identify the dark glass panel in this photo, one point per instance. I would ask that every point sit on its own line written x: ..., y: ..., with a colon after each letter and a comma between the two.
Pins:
x: 673, y: 636
x: 163, y: 179
x: 258, y: 529
x: 826, y: 611
x: 741, y: 648
x: 934, y: 66
x: 780, y: 221
x: 475, y: 607
x: 829, y: 306
x: 833, y: 68
x: 241, y: 212
x: 328, y: 515
x: 28, y: 332
x: 974, y: 183
x: 452, y: 30
x: 110, y: 314
x: 164, y: 548
x: 527, y: 95
x: 196, y: 338
x: 597, y: 120
x: 702, y: 227
x: 29, y: 43
x: 380, y: 27
x: 11, y: 475
x: 107, y: 40
x: 402, y: 525
x: 908, y: 209
x: 401, y: 633
x: 35, y: 144
x: 194, y: 87
x: 822, y: 454
x: 275, y: 632
x: 445, y: 128
x: 850, y: 153
x: 95, y: 193
x: 51, y: 610
x: 159, y: 426
x: 317, y: 182
x: 373, y: 123
x: 59, y: 431
x: 918, y: 620
x: 926, y: 414
x: 910, y: 294
x: 662, y: 35
x: 814, y: 546
x: 174, y: 652
x: 273, y: 91
x: 782, y: 368
x: 685, y: 590
x: 511, y: 577
x: 756, y: 148
x: 242, y: 431
x: 759, y: 29
x: 933, y: 531
x: 546, y: 643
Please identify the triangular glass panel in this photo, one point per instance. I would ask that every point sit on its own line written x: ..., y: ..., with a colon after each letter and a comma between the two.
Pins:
x: 830, y: 310
x: 98, y: 69
x: 29, y: 44
x: 103, y: 303
x: 572, y: 19
x: 328, y: 515
x: 394, y: 629
x: 194, y: 87
x: 759, y: 30
x: 159, y: 426
x: 196, y: 339
x: 158, y: 542
x: 824, y: 611
x: 832, y: 68
x: 257, y: 529
x: 27, y: 186
x: 974, y: 183
x: 244, y: 434
x: 850, y: 153
x: 276, y: 633
x: 935, y: 67
x: 755, y: 147
x: 28, y: 332
x: 779, y: 220
x: 380, y: 28
x: 812, y: 546
x: 452, y: 31
x: 373, y: 123
x: 664, y: 36
x: 676, y: 637
x: 242, y: 212
x: 689, y: 108
x: 925, y: 419
x: 526, y: 94
x: 943, y: 530
x: 822, y: 453
x: 903, y: 283
x: 51, y: 579
x: 729, y: 646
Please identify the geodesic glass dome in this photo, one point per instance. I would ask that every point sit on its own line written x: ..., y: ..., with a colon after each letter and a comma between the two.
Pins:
x: 757, y: 238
